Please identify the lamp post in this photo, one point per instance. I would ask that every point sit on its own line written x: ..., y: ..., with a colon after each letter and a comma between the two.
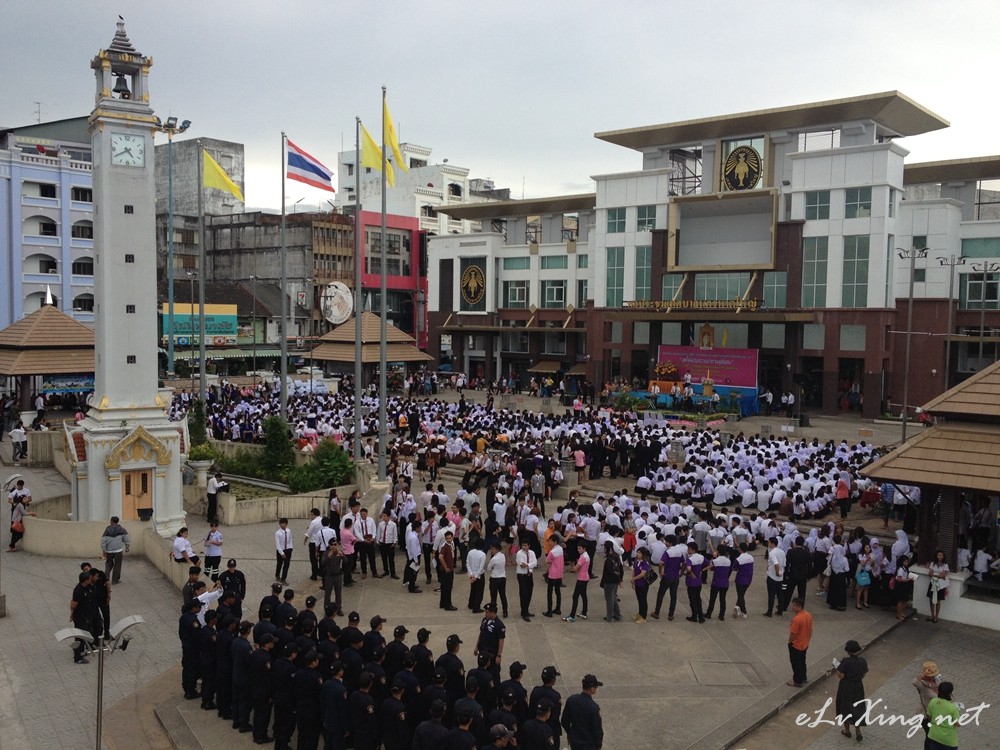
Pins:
x: 951, y: 261
x: 986, y: 268
x: 171, y: 128
x: 191, y: 277
x: 912, y: 256
x: 253, y: 326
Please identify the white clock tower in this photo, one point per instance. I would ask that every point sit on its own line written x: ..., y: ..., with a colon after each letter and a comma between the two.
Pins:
x: 126, y: 454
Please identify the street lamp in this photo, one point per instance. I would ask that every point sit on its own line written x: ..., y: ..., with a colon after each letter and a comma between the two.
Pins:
x: 117, y: 642
x: 951, y: 261
x: 986, y: 268
x: 912, y: 256
x: 191, y: 277
x: 171, y: 128
x: 253, y: 324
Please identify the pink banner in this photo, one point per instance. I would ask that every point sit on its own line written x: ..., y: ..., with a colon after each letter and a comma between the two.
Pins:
x: 735, y: 367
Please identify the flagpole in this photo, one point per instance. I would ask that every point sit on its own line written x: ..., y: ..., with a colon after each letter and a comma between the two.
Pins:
x: 202, y: 387
x: 283, y: 370
x: 357, y: 295
x: 382, y: 394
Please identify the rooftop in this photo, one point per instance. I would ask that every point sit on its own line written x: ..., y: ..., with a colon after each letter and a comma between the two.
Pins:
x: 973, y: 168
x: 524, y: 207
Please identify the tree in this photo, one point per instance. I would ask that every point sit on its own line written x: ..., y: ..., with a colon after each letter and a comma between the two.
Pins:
x: 279, y: 453
x: 196, y: 424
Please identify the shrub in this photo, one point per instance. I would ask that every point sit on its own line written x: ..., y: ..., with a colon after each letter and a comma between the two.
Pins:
x: 331, y: 466
x: 244, y: 463
x: 202, y: 452
x: 196, y: 425
x: 279, y: 453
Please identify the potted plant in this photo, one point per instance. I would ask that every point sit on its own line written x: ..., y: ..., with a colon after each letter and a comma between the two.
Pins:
x: 201, y: 455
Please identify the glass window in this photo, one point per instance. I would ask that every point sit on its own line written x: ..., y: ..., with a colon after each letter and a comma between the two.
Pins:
x: 920, y: 242
x: 645, y: 220
x: 815, y: 251
x: 514, y: 341
x: 82, y: 194
x: 970, y: 290
x: 553, y: 294
x: 858, y: 204
x: 892, y: 202
x: 552, y: 262
x: 582, y: 292
x: 522, y: 263
x: 515, y: 293
x: 671, y: 283
x: 616, y: 220
x: 615, y: 289
x: 83, y: 267
x: 775, y: 289
x: 582, y: 260
x: 643, y: 272
x: 919, y: 275
x: 855, y: 286
x: 554, y: 343
x: 719, y: 286
x: 817, y: 204
x: 980, y: 247
x: 640, y: 332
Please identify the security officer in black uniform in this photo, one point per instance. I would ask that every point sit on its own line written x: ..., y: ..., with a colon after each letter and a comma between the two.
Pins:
x: 333, y: 701
x: 241, y: 651
x: 283, y: 675
x: 520, y: 709
x: 505, y: 713
x: 364, y: 720
x: 395, y: 650
x: 411, y: 691
x: 224, y: 666
x: 492, y: 634
x: 536, y: 734
x: 487, y: 695
x: 262, y: 689
x: 393, y: 719
x: 455, y: 670
x: 501, y: 737
x: 189, y: 630
x: 436, y: 692
x: 582, y: 717
x: 207, y: 656
x: 309, y: 711
x: 353, y: 663
x: 547, y: 691
x: 380, y: 685
x: 234, y: 580
x: 431, y: 733
x: 425, y: 659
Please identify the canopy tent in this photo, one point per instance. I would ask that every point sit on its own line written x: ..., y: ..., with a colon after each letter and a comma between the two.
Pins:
x: 547, y: 366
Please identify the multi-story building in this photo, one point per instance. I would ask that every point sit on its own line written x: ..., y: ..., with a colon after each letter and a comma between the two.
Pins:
x: 785, y: 234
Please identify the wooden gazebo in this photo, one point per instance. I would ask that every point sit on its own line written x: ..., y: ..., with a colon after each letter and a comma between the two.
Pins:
x: 338, y: 344
x: 47, y: 342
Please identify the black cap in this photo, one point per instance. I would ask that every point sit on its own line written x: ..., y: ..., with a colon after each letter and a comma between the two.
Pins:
x: 265, y: 639
x: 589, y: 681
x: 276, y: 588
x: 454, y: 640
x: 500, y: 731
x: 423, y: 634
x: 231, y: 563
x: 440, y: 674
x: 398, y: 684
x: 400, y: 630
x: 310, y: 601
x: 376, y: 621
x: 550, y: 673
x: 290, y: 619
x: 508, y: 697
x: 355, y: 637
x: 490, y: 607
x: 353, y: 617
x: 517, y: 668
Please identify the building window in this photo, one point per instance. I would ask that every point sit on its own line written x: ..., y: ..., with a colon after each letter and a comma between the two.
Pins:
x: 671, y: 283
x: 515, y: 293
x: 640, y: 332
x: 720, y: 286
x: 522, y: 263
x: 128, y: 209
x: 892, y: 202
x: 645, y: 220
x: 775, y: 289
x: 83, y: 267
x: 47, y: 229
x: 514, y: 342
x: 582, y: 260
x: 970, y: 291
x: 817, y: 204
x: 814, y: 257
x: 554, y: 343
x: 350, y: 169
x: 82, y: 194
x: 397, y: 261
x: 920, y: 243
x: 615, y: 289
x: 855, y: 286
x: 553, y: 294
x: 129, y: 309
x: 84, y: 304
x: 554, y: 262
x: 582, y: 292
x: 643, y: 272
x: 858, y: 204
x: 130, y: 359
x: 46, y: 190
x: 981, y: 247
x: 82, y: 231
x: 129, y: 258
x: 616, y: 220
x: 47, y: 265
x: 919, y: 275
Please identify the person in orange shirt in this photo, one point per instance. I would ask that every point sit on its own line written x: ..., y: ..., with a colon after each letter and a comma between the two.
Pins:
x: 799, y: 634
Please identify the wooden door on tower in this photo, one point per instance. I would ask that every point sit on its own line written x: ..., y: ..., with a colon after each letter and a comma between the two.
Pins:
x: 136, y: 492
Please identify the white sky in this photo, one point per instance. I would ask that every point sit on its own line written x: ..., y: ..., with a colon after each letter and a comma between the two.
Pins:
x: 513, y: 90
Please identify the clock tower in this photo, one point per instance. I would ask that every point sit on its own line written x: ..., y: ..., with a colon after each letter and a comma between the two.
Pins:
x: 129, y: 461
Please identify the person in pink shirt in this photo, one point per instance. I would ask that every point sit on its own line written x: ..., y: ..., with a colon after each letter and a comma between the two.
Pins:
x: 347, y: 541
x: 553, y: 575
x: 582, y: 570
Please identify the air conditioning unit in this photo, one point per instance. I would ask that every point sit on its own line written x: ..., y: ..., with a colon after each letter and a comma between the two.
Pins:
x: 53, y: 270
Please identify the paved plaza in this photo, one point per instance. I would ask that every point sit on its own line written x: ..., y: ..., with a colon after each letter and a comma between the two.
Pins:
x: 667, y: 684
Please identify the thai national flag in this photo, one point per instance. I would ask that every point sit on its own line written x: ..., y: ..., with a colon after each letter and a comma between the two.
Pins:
x: 308, y: 169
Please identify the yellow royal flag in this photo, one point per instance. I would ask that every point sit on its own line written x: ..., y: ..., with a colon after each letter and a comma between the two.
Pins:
x: 215, y: 176
x: 371, y: 156
x: 392, y: 140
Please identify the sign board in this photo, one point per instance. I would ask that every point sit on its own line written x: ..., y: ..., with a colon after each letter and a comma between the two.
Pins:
x: 220, y: 321
x: 726, y: 367
x: 77, y: 383
x: 337, y: 302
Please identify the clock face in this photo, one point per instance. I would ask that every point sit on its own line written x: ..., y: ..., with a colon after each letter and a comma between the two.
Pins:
x: 128, y: 150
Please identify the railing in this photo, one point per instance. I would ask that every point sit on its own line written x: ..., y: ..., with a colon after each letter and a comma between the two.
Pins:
x: 42, y: 278
x: 41, y: 239
x: 38, y: 201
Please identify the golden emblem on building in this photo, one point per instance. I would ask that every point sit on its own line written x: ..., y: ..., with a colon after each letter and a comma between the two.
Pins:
x: 473, y: 285
x: 742, y: 169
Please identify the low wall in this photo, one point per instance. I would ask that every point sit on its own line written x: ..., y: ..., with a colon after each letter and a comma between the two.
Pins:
x: 956, y: 607
x: 43, y: 446
x: 82, y: 539
x: 55, y: 508
x: 159, y: 552
x: 229, y: 449
x: 233, y: 512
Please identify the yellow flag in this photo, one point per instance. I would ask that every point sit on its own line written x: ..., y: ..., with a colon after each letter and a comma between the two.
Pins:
x: 215, y: 176
x: 392, y: 140
x: 371, y: 156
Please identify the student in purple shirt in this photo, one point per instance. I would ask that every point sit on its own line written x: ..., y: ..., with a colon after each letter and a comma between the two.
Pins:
x: 744, y: 577
x: 639, y: 570
x: 670, y: 575
x: 721, y: 567
x: 695, y: 562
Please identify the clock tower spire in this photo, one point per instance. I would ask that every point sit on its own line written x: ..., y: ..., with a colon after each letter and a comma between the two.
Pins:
x: 126, y: 452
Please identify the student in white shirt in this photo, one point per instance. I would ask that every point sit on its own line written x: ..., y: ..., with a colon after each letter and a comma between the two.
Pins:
x: 386, y: 536
x: 312, y: 538
x: 283, y: 544
x: 475, y: 563
x: 496, y: 570
x: 525, y: 562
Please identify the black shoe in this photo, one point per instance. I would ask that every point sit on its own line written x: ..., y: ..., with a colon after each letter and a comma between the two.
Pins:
x: 395, y: 578
x: 246, y: 728
x: 478, y: 611
x: 506, y: 614
x: 691, y: 619
x: 526, y: 618
x: 264, y: 741
x: 313, y: 578
x: 701, y: 620
x: 191, y: 696
x: 708, y: 615
x: 557, y: 611
x: 767, y: 614
x: 225, y: 717
x: 722, y: 618
x: 83, y: 660
x: 546, y: 614
x: 415, y: 591
x: 451, y: 609
x: 208, y: 707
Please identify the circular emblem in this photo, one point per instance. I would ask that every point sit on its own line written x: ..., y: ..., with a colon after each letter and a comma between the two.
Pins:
x: 742, y: 169
x: 338, y: 303
x: 473, y: 285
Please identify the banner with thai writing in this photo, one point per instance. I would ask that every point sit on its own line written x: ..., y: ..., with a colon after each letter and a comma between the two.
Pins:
x: 724, y: 367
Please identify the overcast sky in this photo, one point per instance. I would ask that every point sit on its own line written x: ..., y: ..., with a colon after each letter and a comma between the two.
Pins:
x: 513, y: 90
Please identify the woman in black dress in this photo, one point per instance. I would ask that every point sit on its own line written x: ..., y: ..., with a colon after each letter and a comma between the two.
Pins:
x: 851, y: 704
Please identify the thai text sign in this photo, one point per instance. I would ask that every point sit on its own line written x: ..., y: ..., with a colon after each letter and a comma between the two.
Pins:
x: 220, y: 320
x: 725, y: 367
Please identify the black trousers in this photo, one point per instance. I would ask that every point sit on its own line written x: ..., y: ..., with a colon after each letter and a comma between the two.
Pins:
x: 213, y: 506
x: 113, y: 566
x: 333, y: 591
x: 388, y: 553
x: 498, y: 587
x: 525, y: 588
x: 447, y: 581
x: 261, y: 716
x: 553, y: 589
x: 207, y: 683
x: 428, y: 555
x: 741, y: 592
x: 224, y: 688
x: 774, y: 594
x: 350, y: 565
x: 719, y: 594
x: 792, y: 588
x: 314, y: 555
x: 642, y: 598
x: 309, y: 732
x: 410, y: 575
x: 798, y: 660
x: 476, y: 591
x: 190, y: 671
x: 579, y: 594
x: 665, y: 586
x: 242, y: 705
x: 282, y: 561
x: 284, y: 724
x: 366, y: 551
x: 694, y: 599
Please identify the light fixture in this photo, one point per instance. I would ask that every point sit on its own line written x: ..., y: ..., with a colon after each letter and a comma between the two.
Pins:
x: 933, y: 372
x: 171, y: 122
